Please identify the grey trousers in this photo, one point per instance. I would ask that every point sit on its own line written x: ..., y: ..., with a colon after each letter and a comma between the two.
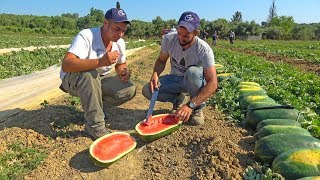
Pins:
x: 97, y: 94
x: 171, y: 86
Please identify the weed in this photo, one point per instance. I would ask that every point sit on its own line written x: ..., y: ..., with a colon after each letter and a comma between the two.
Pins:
x: 18, y: 160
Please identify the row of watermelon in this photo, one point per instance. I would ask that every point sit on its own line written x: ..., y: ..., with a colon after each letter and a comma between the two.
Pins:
x: 281, y: 140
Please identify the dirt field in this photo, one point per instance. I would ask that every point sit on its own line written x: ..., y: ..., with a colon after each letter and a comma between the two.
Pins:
x: 217, y: 150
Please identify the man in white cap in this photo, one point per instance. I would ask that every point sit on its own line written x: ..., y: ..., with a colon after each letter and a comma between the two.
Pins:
x: 86, y: 67
x: 193, y: 71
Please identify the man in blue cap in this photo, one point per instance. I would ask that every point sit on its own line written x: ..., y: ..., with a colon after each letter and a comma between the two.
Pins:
x: 193, y: 72
x: 86, y: 70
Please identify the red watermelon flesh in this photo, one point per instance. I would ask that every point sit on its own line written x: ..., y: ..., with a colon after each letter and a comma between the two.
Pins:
x: 158, y: 122
x: 158, y: 126
x: 111, y: 147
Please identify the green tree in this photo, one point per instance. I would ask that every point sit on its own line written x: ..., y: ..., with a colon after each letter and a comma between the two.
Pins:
x: 273, y: 32
x: 303, y: 32
x: 285, y: 24
x: 317, y: 30
x: 222, y: 26
x: 254, y: 29
x: 159, y: 24
x: 247, y: 29
x: 237, y: 17
x: 69, y: 15
x: 97, y: 15
x: 272, y: 11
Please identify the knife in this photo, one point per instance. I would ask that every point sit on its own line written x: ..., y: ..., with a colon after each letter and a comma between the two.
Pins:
x: 152, y: 103
x: 270, y: 107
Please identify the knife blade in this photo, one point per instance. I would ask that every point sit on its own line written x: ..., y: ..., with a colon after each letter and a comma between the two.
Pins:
x: 152, y: 103
x: 270, y: 107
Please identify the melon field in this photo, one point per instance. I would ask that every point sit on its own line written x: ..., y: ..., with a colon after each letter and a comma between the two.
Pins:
x: 46, y: 140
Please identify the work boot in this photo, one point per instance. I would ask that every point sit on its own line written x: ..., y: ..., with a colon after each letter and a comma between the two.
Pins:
x: 182, y: 99
x: 95, y: 133
x: 196, y: 118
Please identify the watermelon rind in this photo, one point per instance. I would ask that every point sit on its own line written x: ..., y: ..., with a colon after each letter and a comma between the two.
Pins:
x: 269, y: 147
x: 249, y: 83
x: 276, y: 129
x: 157, y: 135
x: 256, y: 116
x: 310, y: 178
x: 251, y: 89
x: 298, y: 163
x: 100, y: 163
x: 223, y: 76
x: 244, y: 103
x: 279, y: 122
x: 255, y: 93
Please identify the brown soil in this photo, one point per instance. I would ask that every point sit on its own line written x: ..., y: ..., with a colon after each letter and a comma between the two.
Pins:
x: 217, y: 150
x: 304, y: 65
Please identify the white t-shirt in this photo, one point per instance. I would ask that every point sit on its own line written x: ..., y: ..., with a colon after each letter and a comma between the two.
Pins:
x: 88, y: 44
x: 199, y: 54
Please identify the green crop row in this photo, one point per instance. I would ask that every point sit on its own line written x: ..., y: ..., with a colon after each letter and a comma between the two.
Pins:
x: 26, y: 62
x: 131, y: 44
x: 20, y: 41
x: 13, y: 41
x: 305, y: 50
x: 284, y: 83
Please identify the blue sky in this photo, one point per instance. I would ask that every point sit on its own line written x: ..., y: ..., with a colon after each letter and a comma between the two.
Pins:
x: 307, y: 11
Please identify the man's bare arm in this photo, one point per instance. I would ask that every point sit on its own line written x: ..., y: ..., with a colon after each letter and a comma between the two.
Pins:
x: 158, y: 68
x: 72, y: 63
x: 210, y: 76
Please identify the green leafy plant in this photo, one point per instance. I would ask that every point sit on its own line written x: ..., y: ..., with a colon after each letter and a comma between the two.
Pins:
x: 19, y: 159
x: 258, y: 172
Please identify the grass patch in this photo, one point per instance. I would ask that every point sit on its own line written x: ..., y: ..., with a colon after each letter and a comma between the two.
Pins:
x: 18, y: 160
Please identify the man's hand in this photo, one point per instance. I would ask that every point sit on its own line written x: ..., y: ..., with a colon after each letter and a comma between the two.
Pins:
x: 184, y: 113
x: 109, y: 58
x: 154, y: 82
x: 125, y: 75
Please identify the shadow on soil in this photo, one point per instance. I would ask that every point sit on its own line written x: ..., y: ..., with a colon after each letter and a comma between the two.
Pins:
x: 82, y: 162
x: 67, y: 122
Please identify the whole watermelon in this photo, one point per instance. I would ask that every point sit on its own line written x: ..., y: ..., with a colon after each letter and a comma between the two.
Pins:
x: 276, y: 129
x: 298, y: 163
x: 280, y: 122
x: 269, y: 147
x: 256, y: 116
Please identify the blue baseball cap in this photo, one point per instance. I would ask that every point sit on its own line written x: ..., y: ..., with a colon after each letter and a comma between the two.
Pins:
x: 117, y: 15
x: 189, y: 20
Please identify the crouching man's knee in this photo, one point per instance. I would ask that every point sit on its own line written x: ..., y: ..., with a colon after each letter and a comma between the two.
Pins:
x: 119, y: 97
x: 146, y: 92
x: 131, y: 92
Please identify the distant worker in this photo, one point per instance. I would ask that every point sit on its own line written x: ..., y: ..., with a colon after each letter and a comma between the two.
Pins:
x: 232, y: 37
x: 204, y: 35
x: 193, y: 72
x: 214, y: 38
x: 173, y: 29
x: 86, y: 70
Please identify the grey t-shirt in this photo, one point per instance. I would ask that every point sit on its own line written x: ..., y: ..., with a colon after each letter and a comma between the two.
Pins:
x: 199, y: 54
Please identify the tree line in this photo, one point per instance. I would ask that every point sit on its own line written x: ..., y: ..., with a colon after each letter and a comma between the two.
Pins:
x: 277, y: 27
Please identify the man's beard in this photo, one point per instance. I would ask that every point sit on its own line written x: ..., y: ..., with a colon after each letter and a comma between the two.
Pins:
x: 187, y: 43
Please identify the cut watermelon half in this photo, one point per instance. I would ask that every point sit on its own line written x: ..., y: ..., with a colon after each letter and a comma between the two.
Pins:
x: 158, y: 126
x: 111, y: 147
